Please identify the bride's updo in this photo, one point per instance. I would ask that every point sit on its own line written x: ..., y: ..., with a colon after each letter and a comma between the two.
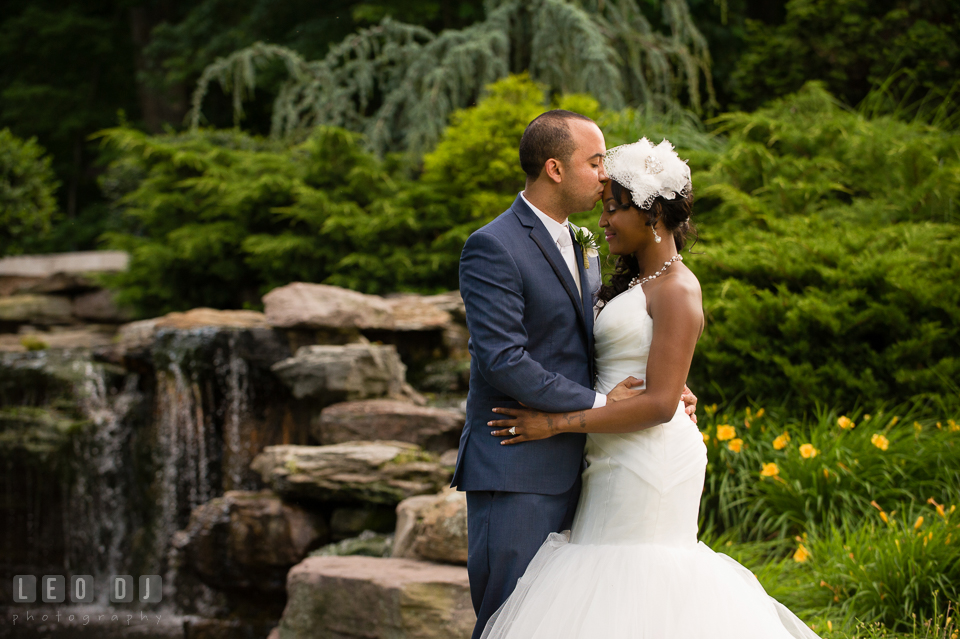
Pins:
x: 656, y: 183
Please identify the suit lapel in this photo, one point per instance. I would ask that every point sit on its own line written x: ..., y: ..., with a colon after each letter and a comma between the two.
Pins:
x: 559, y: 265
x: 586, y: 301
x: 547, y: 245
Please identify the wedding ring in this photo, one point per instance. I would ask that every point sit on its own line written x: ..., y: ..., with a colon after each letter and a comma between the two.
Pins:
x: 513, y: 430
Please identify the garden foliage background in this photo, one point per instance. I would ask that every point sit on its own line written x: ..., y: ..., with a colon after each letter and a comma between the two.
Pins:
x: 825, y: 152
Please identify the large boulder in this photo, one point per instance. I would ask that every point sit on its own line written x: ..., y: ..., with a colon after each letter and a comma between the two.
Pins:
x: 99, y: 306
x: 371, y: 598
x: 136, y: 339
x: 59, y: 283
x: 416, y: 313
x: 348, y: 372
x: 451, y: 302
x: 380, y: 472
x: 433, y: 527
x: 248, y: 540
x: 435, y: 429
x: 318, y: 306
x: 35, y: 309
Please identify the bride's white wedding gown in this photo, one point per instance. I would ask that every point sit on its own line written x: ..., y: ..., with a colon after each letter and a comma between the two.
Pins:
x: 632, y: 566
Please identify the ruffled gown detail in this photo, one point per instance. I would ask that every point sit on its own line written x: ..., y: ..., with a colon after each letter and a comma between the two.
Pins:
x: 631, y: 567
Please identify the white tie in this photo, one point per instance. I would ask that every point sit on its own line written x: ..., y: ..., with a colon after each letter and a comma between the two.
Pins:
x: 565, y: 243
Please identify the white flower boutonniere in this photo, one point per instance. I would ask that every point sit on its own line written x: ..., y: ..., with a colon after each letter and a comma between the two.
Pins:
x: 587, y: 242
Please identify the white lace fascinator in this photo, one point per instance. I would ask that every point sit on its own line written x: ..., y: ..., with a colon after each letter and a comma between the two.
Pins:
x: 648, y: 171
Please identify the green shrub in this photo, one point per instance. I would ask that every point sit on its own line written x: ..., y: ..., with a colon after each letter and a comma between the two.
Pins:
x: 218, y: 218
x: 806, y: 311
x: 27, y: 187
x: 808, y: 154
x: 851, y: 45
x: 829, y: 248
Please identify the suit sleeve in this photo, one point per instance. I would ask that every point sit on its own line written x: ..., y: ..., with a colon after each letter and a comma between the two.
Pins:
x: 492, y: 291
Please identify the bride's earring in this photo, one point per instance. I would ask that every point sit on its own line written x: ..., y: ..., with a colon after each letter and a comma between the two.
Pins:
x: 656, y: 236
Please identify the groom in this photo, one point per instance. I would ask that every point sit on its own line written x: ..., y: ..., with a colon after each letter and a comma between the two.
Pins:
x: 529, y: 303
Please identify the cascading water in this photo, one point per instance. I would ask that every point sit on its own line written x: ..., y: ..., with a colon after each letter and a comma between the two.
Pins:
x: 97, y: 516
x: 127, y: 456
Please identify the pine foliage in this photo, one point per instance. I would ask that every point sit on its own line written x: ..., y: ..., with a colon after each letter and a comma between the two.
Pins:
x: 27, y: 187
x: 397, y: 84
x: 828, y: 257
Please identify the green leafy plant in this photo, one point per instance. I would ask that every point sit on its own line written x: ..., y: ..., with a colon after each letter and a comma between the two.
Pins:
x: 771, y: 475
x: 27, y: 187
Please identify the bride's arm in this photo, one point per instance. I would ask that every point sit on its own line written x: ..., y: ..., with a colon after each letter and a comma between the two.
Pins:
x: 677, y: 313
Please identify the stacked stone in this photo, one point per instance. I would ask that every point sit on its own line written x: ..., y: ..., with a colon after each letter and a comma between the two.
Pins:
x: 334, y: 451
x: 54, y: 301
x: 381, y: 463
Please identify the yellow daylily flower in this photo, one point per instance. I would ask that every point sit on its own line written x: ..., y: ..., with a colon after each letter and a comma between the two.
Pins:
x: 770, y: 470
x: 725, y: 432
x: 880, y: 441
x: 802, y: 554
x: 845, y: 422
x: 807, y: 451
x: 760, y: 413
x: 883, y: 515
x: 781, y: 442
x: 894, y: 421
x: 735, y: 445
x: 918, y: 523
x: 940, y: 509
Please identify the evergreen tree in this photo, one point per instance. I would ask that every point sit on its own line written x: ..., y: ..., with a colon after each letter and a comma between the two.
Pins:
x: 853, y: 46
x: 27, y: 186
x: 398, y: 83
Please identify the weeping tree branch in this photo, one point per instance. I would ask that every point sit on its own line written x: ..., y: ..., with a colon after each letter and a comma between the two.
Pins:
x: 398, y: 83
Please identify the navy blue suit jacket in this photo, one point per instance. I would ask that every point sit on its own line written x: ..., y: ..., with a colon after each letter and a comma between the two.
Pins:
x: 531, y: 341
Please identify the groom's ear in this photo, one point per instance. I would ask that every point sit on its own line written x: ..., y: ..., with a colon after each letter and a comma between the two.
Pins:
x: 553, y: 170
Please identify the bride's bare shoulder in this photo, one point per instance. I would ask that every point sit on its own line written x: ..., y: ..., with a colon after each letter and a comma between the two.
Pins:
x: 680, y: 282
x: 676, y: 294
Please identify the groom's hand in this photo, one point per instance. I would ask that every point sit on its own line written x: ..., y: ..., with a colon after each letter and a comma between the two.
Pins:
x: 630, y: 387
x: 689, y: 403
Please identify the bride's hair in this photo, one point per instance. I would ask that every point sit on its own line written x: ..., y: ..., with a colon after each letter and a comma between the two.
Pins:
x: 672, y: 215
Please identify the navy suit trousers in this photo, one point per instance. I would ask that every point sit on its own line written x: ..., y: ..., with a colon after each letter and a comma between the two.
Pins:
x: 504, y: 531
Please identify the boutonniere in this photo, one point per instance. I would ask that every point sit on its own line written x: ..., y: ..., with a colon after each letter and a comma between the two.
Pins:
x: 587, y: 242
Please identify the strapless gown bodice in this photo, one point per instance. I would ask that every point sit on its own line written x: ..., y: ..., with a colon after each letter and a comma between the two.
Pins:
x: 640, y: 487
x: 631, y: 567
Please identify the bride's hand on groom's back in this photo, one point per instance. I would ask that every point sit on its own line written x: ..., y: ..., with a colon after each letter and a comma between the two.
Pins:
x: 630, y: 387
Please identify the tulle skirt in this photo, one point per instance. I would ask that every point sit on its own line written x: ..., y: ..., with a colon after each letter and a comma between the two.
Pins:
x: 639, y: 591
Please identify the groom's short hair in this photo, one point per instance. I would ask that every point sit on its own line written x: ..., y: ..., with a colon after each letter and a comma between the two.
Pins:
x: 548, y: 136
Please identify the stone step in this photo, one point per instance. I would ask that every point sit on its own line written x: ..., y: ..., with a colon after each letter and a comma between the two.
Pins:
x: 374, y: 598
x: 377, y: 472
x: 434, y: 429
x: 433, y: 527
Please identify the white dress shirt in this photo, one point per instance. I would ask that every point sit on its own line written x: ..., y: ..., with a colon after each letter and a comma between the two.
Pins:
x: 561, y: 235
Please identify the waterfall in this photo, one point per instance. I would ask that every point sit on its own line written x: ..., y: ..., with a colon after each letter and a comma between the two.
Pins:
x: 97, y: 512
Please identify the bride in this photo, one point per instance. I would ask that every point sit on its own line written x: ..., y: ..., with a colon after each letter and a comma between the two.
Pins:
x: 632, y: 566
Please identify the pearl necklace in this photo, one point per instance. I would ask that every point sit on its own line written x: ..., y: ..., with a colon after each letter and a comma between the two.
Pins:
x: 637, y: 281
